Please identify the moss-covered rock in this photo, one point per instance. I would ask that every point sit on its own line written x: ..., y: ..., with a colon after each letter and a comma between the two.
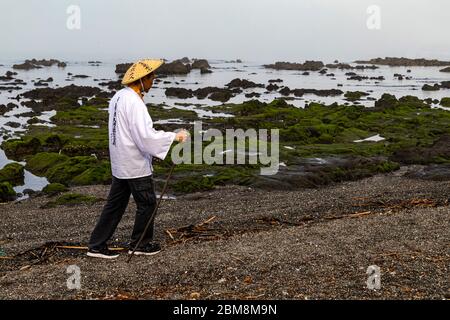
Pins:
x: 331, y: 130
x: 34, y: 120
x: 69, y: 140
x: 188, y: 178
x: 193, y: 184
x: 162, y: 112
x: 311, y: 175
x: 386, y: 101
x: 17, y: 148
x: 428, y: 87
x: 40, y: 163
x: 100, y: 174
x: 80, y: 170
x: 84, y: 115
x: 99, y: 102
x: 445, y: 102
x: 72, y: 199
x: 7, y: 192
x: 54, y: 188
x: 438, y: 152
x: 407, y: 124
x: 12, y: 173
x: 354, y: 95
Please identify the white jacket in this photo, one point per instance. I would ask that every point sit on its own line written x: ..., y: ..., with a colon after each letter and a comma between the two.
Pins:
x: 132, y: 139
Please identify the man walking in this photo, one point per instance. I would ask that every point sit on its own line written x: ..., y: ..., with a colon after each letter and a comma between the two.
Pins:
x: 132, y: 143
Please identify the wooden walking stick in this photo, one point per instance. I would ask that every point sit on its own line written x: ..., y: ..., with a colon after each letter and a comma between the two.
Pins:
x: 154, y: 212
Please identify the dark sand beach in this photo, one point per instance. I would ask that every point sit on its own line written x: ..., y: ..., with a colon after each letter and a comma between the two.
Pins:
x: 244, y: 243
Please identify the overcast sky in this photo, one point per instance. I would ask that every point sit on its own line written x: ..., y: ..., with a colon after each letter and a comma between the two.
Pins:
x: 257, y: 30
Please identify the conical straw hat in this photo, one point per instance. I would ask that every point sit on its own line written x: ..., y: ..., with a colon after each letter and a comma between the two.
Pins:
x: 140, y: 69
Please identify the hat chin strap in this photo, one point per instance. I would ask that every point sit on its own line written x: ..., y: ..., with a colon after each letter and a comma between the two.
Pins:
x: 142, y: 86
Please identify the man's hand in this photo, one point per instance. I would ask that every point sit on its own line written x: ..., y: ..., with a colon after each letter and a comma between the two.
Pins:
x: 182, y: 135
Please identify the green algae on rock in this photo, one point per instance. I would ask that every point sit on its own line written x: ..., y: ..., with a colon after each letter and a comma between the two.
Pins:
x: 445, y: 102
x: 54, y: 188
x: 78, y: 170
x: 409, y: 126
x: 354, y: 95
x: 41, y: 162
x: 12, y: 173
x: 71, y: 199
x: 7, y: 192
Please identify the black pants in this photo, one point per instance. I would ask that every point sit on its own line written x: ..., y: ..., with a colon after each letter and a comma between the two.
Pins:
x: 144, y: 195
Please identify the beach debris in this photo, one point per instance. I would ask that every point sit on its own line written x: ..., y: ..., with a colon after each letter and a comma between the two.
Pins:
x: 199, y: 231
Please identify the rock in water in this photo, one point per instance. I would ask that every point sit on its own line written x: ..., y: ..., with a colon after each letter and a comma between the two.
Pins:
x: 307, y: 66
x: 37, y: 64
x: 175, y: 67
x: 394, y: 62
x: 122, y: 68
x: 201, y: 63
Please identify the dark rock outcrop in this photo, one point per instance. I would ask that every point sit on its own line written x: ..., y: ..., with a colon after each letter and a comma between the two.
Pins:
x: 173, y: 68
x: 184, y: 60
x: 181, y: 93
x: 71, y: 91
x: 59, y: 98
x: 213, y: 93
x: 358, y: 78
x: 234, y: 61
x: 436, y: 86
x: 275, y: 80
x: 252, y: 95
x: 311, y: 173
x: 272, y: 87
x: 306, y: 66
x: 122, y: 68
x: 440, y: 149
x: 285, y: 91
x: 363, y: 67
x: 222, y: 95
x: 6, y: 108
x: 434, y: 172
x: 8, y: 76
x: 341, y: 66
x: 205, y: 70
x: 244, y: 84
x: 13, y: 124
x: 37, y: 64
x: 43, y: 82
x: 346, y: 66
x: 445, y: 85
x: 318, y: 92
x: 427, y: 87
x: 112, y: 85
x: 201, y: 63
x: 394, y: 62
x: 10, y: 88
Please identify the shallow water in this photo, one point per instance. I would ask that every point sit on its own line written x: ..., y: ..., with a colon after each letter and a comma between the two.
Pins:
x: 223, y: 72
